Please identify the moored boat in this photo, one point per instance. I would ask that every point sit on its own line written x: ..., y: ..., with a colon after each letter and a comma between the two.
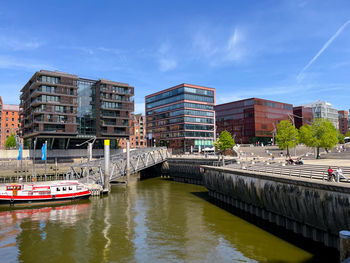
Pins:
x: 37, y: 193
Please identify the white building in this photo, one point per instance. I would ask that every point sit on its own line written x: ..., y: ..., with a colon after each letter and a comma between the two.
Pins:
x: 324, y: 110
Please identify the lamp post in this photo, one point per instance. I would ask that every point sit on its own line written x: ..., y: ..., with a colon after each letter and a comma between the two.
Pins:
x: 291, y: 116
x: 89, y: 148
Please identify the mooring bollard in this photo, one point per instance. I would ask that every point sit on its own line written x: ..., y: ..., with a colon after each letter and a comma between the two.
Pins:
x: 344, y: 245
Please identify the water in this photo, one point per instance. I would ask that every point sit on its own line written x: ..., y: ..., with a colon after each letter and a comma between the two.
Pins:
x: 150, y: 221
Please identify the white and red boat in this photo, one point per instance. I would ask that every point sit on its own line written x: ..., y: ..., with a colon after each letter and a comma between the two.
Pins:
x: 37, y: 193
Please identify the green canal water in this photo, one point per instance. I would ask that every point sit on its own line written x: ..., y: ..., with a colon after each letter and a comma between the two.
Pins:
x: 152, y: 220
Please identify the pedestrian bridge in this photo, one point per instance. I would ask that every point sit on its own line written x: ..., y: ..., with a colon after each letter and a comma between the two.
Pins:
x: 140, y: 159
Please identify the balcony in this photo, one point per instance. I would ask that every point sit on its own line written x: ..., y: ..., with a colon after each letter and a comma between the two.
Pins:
x: 114, y: 133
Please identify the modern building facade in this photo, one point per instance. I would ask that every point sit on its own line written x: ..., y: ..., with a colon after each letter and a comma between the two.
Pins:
x: 302, y: 115
x: 181, y: 117
x: 137, y: 132
x: 9, y: 121
x: 251, y: 120
x: 65, y: 110
x: 343, y: 118
x: 324, y: 110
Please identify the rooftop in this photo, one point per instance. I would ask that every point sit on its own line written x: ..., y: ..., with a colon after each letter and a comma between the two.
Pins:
x: 10, y: 107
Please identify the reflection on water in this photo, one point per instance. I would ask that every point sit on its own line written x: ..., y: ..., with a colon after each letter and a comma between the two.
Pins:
x: 150, y: 221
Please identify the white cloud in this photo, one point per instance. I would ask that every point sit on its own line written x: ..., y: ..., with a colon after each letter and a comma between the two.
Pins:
x: 16, y: 44
x: 218, y: 48
x: 165, y: 59
x: 7, y: 62
x: 166, y: 64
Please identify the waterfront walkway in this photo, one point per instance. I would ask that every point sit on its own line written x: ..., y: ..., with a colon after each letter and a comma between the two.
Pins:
x: 310, y: 171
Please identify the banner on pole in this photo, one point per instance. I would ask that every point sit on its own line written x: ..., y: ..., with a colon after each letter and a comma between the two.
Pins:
x: 19, y: 152
x: 43, y: 152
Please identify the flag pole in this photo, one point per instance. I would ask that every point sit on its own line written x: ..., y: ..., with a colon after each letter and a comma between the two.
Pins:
x: 21, y: 156
x: 34, y: 172
x: 45, y: 149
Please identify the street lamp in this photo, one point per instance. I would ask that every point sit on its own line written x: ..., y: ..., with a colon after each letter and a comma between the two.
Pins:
x: 291, y: 117
x: 90, y: 144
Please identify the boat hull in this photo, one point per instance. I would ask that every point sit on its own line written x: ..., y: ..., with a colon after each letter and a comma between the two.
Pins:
x: 38, y: 201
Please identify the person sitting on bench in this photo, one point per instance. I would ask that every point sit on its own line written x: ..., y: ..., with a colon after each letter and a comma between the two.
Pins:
x: 299, y: 161
x: 331, y: 174
x: 339, y: 173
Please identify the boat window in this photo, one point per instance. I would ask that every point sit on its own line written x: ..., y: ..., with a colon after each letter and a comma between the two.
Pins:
x: 19, y: 187
x: 79, y: 188
x: 15, y: 188
x: 58, y: 189
x: 70, y: 188
x: 64, y: 188
x: 9, y: 188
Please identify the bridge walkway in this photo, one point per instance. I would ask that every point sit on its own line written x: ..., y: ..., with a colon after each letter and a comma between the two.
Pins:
x: 140, y: 159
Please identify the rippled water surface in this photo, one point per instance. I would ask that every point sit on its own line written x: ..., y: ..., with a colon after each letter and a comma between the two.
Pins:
x: 150, y: 221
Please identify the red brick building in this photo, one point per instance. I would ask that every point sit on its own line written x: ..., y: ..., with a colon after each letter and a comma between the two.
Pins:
x: 251, y: 120
x: 302, y: 115
x: 137, y: 132
x: 343, y: 121
x: 9, y: 121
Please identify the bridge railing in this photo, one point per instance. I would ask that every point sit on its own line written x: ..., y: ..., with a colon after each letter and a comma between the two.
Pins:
x: 139, y: 159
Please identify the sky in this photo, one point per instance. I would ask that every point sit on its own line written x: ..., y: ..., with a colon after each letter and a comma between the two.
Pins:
x: 293, y: 51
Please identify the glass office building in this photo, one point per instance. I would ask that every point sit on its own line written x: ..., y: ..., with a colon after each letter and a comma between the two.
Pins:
x: 324, y: 110
x: 251, y: 120
x: 181, y: 117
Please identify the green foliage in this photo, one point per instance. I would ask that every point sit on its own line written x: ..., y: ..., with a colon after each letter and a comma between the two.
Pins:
x: 340, y: 138
x: 287, y: 135
x: 321, y: 134
x: 26, y: 144
x: 225, y: 141
x: 10, y: 142
x: 347, y: 134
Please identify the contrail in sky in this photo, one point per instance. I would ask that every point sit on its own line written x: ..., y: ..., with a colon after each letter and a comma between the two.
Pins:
x: 325, y: 46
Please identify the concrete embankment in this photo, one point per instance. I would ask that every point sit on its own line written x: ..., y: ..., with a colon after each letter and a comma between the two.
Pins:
x: 315, y: 210
x: 188, y: 170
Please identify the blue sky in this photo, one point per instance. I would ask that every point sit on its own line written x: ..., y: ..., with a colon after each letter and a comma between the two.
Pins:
x: 295, y: 51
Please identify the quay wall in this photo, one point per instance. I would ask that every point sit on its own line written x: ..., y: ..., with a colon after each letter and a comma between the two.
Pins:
x: 187, y: 170
x: 315, y: 210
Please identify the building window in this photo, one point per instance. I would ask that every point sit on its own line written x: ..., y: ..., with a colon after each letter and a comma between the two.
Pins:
x: 13, y: 113
x: 13, y: 119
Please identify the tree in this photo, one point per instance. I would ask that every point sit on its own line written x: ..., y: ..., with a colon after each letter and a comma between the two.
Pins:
x: 10, y: 141
x: 287, y: 135
x: 26, y: 143
x: 224, y: 142
x: 340, y: 138
x: 347, y: 134
x: 321, y: 134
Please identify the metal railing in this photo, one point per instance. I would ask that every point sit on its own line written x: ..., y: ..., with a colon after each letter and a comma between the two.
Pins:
x: 139, y: 159
x: 315, y: 172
